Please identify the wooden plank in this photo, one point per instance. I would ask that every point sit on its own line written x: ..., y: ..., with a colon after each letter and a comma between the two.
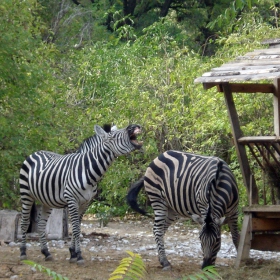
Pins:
x: 237, y: 67
x: 266, y: 242
x: 258, y: 57
x: 246, y: 63
x: 267, y: 215
x: 263, y: 224
x: 270, y: 42
x: 244, y: 241
x: 221, y: 73
x: 249, y: 88
x: 261, y: 208
x: 241, y: 72
x: 223, y: 79
x: 241, y: 152
x: 258, y: 140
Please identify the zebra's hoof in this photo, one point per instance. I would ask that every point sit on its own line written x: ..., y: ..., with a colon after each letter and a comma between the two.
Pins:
x: 49, y: 258
x: 80, y: 262
x: 166, y: 268
x: 73, y: 260
x: 23, y: 257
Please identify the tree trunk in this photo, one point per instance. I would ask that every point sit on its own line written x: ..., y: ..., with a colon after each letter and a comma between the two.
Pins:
x: 129, y: 7
x: 165, y: 7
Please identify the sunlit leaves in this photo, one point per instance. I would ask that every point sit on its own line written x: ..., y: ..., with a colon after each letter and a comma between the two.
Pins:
x: 130, y: 268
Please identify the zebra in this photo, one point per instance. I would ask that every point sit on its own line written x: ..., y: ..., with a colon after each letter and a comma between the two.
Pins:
x: 190, y: 185
x: 94, y: 140
x: 58, y: 181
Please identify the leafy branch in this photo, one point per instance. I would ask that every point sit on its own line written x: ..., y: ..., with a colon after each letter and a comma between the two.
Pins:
x: 207, y: 273
x: 130, y: 268
x: 43, y: 269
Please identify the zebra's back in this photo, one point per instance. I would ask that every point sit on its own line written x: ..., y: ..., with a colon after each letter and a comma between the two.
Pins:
x: 43, y: 175
x: 183, y: 180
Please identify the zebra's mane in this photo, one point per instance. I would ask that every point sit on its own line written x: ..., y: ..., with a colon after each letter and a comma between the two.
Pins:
x: 107, y: 128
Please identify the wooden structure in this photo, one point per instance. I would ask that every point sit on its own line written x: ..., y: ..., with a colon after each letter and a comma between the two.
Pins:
x: 261, y: 223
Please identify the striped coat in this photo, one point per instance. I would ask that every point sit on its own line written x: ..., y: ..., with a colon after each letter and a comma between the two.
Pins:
x: 190, y: 185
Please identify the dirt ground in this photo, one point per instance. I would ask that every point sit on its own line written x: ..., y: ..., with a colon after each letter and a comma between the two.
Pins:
x: 103, y: 248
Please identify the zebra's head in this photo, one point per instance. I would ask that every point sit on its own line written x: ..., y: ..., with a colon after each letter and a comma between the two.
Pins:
x: 93, y: 141
x: 120, y: 141
x: 210, y: 237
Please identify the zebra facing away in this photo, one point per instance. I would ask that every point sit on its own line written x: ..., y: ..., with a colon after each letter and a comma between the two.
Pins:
x: 58, y: 181
x: 185, y: 184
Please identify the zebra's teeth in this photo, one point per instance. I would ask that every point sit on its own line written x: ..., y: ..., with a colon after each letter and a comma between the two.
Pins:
x: 137, y: 131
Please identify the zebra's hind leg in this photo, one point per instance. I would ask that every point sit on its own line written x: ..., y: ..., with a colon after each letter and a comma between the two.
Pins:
x: 25, y: 221
x: 45, y: 213
x: 73, y: 254
x: 164, y: 217
x: 233, y: 225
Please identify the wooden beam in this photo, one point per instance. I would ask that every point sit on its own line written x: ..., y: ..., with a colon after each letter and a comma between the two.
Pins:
x: 266, y: 242
x: 238, y: 78
x: 208, y: 85
x: 244, y: 241
x: 250, y: 88
x: 241, y: 151
x: 263, y: 224
x: 276, y: 106
x: 261, y: 208
x: 258, y: 140
x: 243, y: 88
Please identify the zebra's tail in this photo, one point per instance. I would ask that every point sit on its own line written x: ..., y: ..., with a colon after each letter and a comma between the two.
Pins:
x: 132, y: 194
x: 33, y: 217
x: 219, y: 168
x: 208, y: 217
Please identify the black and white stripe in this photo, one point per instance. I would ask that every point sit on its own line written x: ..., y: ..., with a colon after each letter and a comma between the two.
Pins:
x: 94, y: 140
x: 185, y: 184
x: 58, y: 181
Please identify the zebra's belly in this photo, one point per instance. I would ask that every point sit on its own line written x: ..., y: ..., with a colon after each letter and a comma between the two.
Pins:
x: 83, y: 195
x: 48, y: 193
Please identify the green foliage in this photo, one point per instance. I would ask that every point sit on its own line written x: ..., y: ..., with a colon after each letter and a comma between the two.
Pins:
x: 64, y: 68
x: 207, y: 273
x: 130, y: 268
x: 45, y: 270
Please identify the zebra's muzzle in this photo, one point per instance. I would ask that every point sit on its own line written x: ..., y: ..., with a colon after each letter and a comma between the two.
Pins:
x: 133, y: 131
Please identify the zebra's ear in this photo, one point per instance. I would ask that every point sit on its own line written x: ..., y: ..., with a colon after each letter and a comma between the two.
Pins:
x: 100, y: 132
x: 198, y: 219
x: 220, y: 221
x: 114, y: 128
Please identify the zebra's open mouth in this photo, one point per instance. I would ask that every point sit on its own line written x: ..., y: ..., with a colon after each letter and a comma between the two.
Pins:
x: 133, y: 131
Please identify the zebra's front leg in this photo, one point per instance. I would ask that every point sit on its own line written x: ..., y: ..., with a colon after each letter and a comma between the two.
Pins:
x: 73, y: 254
x: 163, y: 219
x: 75, y: 250
x: 45, y: 213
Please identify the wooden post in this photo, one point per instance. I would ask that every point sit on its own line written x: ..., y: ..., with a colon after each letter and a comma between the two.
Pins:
x: 245, y: 240
x: 276, y: 108
x: 241, y: 151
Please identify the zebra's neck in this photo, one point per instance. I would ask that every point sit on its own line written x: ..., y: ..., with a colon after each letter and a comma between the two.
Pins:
x: 96, y: 163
